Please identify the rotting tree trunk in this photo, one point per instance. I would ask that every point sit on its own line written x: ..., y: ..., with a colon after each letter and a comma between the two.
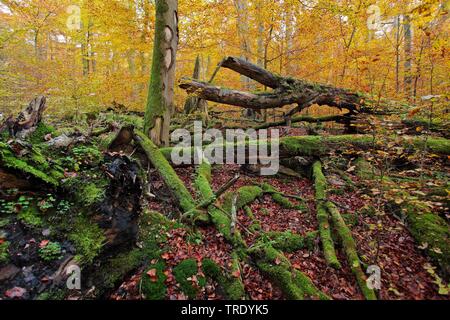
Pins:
x: 323, y: 218
x: 27, y: 120
x: 329, y: 211
x: 287, y: 91
x: 170, y: 177
x: 323, y: 145
x: 161, y: 90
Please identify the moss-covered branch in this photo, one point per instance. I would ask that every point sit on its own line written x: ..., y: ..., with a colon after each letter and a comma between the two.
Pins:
x: 349, y: 245
x: 290, y: 242
x: 171, y: 179
x: 320, y: 184
x: 432, y: 232
x: 323, y: 145
x: 294, y: 284
x: 280, y: 198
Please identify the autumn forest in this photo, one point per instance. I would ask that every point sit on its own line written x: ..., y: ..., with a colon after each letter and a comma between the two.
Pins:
x: 224, y: 150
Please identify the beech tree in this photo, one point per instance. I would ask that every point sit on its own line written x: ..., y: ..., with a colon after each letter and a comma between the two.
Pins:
x: 160, y: 104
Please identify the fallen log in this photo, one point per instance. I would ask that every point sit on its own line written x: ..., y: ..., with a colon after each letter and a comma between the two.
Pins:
x: 171, y: 179
x: 294, y: 283
x: 323, y: 217
x: 298, y: 119
x: 329, y: 210
x: 287, y: 91
x: 323, y: 145
x: 349, y: 246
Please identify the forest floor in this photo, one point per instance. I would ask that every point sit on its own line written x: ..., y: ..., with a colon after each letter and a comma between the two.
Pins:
x: 404, y: 266
x: 42, y: 228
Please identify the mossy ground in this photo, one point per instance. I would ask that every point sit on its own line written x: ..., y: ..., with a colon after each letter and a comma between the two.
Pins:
x: 231, y: 286
x: 184, y: 274
x: 432, y: 233
x: 88, y: 239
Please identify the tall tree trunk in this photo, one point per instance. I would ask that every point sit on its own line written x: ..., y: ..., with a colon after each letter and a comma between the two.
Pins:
x: 290, y: 27
x: 260, y: 42
x: 161, y: 90
x: 397, y: 55
x: 408, y: 58
x: 242, y: 26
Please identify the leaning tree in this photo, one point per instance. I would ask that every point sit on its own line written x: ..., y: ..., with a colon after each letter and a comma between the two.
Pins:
x: 161, y: 89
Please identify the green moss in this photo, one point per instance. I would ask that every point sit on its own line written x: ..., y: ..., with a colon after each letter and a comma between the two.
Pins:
x: 202, y: 182
x: 279, y: 198
x: 155, y: 101
x: 171, y: 179
x: 4, y: 255
x: 222, y: 222
x: 290, y: 242
x: 364, y: 169
x: 320, y: 182
x: 151, y: 234
x: 320, y: 185
x: 433, y: 233
x: 4, y: 222
x: 232, y: 286
x: 41, y: 131
x: 30, y: 216
x: 87, y: 155
x: 87, y: 193
x: 154, y: 288
x: 52, y: 251
x: 9, y: 160
x: 307, y: 146
x: 53, y: 295
x: 246, y: 195
x: 294, y: 284
x: 88, y: 239
x: 183, y: 273
x: 256, y: 225
x: 349, y: 245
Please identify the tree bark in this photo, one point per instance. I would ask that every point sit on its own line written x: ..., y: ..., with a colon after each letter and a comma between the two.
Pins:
x: 161, y: 90
x: 408, y: 58
x: 27, y: 120
x: 287, y: 91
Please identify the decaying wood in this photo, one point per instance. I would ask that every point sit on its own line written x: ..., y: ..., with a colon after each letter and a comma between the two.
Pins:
x: 27, y: 120
x: 122, y: 140
x: 287, y: 91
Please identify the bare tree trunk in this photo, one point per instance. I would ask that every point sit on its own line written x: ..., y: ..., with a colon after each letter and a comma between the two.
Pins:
x: 194, y: 103
x: 397, y: 55
x: 408, y: 58
x: 290, y: 27
x: 161, y: 90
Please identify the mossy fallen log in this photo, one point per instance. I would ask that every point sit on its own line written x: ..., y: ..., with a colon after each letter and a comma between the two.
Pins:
x: 349, y: 246
x: 432, y: 233
x: 279, y: 198
x: 171, y: 179
x: 33, y: 164
x: 230, y: 280
x: 320, y: 184
x: 294, y: 284
x: 246, y: 195
x: 323, y: 145
x: 290, y: 242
